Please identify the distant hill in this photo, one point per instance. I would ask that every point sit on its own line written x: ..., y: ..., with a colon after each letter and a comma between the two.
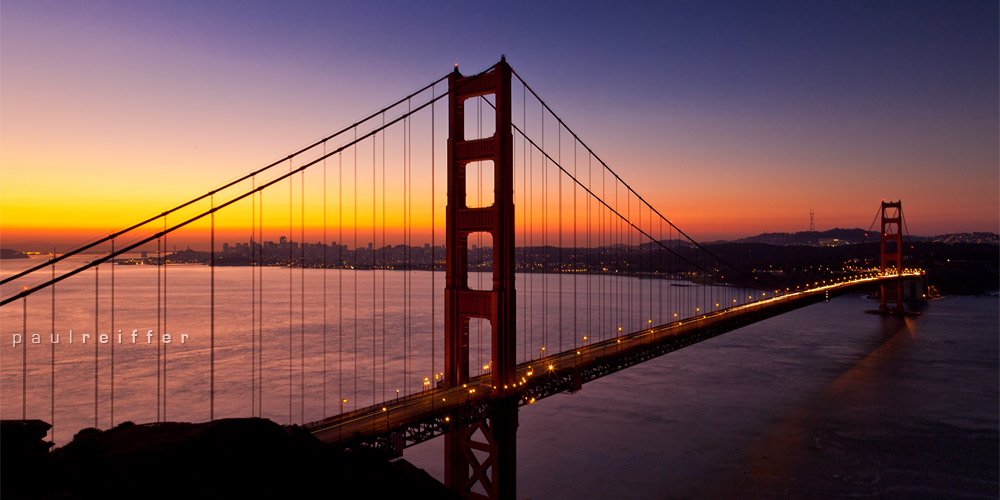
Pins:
x: 835, y: 237
x: 810, y: 238
x: 8, y: 253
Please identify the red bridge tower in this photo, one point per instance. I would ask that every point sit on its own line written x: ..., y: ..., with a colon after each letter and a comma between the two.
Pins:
x: 891, y: 249
x: 491, y: 474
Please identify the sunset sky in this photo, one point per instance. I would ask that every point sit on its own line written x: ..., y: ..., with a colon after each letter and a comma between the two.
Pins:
x: 732, y: 118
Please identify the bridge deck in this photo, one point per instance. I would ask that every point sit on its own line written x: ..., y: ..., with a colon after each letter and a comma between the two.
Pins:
x: 408, y: 420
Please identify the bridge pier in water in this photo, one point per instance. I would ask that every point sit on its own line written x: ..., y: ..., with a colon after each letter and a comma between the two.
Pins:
x: 480, y: 458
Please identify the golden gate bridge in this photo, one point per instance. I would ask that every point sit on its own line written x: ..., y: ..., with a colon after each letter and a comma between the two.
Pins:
x: 556, y: 271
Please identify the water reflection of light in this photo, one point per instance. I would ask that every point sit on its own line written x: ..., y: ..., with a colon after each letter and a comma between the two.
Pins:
x: 772, y: 461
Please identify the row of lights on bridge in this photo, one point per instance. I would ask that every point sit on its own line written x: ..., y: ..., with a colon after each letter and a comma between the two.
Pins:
x: 541, y: 351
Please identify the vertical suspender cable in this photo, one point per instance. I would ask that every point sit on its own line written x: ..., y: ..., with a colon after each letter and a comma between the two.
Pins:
x: 52, y: 369
x: 646, y: 269
x: 650, y: 271
x: 531, y: 243
x: 704, y: 287
x: 559, y: 275
x: 291, y: 265
x: 356, y: 252
x: 159, y: 332
x: 373, y: 267
x: 479, y: 236
x: 164, y: 318
x: 676, y: 299
x: 622, y: 281
x: 112, y: 413
x: 260, y: 318
x: 325, y: 272
x: 616, y: 283
x: 408, y: 128
x: 340, y: 279
x: 637, y: 262
x: 253, y: 300
x: 405, y: 260
x: 211, y: 348
x: 628, y: 258
x: 640, y: 268
x: 545, y: 248
x: 385, y: 261
x: 590, y: 256
x: 302, y: 298
x: 587, y: 265
x: 616, y: 290
x: 24, y: 363
x: 524, y: 219
x: 97, y: 309
x: 406, y: 263
x: 433, y: 259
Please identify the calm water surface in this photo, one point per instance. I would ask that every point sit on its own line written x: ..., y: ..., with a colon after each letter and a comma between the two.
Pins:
x: 825, y: 401
x: 822, y: 402
x: 367, y: 337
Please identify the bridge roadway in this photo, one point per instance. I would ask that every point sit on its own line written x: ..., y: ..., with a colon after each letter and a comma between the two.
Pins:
x: 415, y: 418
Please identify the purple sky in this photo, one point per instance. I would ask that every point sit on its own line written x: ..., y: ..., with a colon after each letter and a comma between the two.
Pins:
x: 738, y: 117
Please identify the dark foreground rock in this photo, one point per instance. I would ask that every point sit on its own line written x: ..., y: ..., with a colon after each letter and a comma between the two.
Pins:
x: 232, y: 458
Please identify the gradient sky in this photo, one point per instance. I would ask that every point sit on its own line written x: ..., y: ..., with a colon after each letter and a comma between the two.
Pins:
x: 738, y: 117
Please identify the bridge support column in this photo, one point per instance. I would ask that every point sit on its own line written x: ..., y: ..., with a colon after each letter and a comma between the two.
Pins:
x: 891, y: 250
x: 480, y: 458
